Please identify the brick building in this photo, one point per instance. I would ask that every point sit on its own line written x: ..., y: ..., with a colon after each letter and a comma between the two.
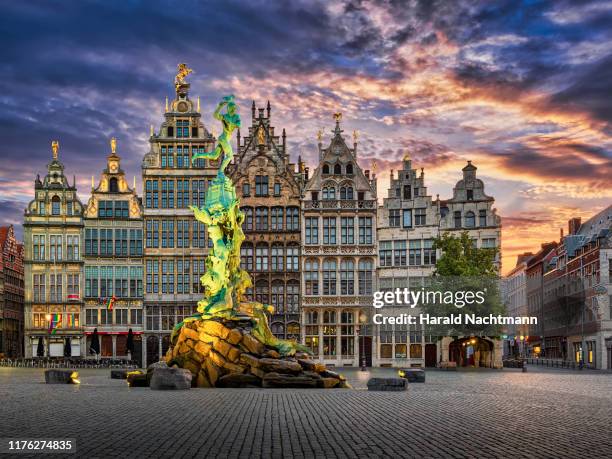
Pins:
x: 11, y: 294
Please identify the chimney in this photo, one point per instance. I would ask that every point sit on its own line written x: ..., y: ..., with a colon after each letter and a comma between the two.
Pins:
x: 574, y: 225
x: 561, y: 234
x: 253, y: 111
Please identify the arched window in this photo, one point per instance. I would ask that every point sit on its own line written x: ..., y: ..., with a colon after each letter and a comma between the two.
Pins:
x: 347, y: 277
x: 246, y: 256
x: 349, y: 169
x: 248, y: 218
x: 470, y: 219
x: 457, y: 218
x: 278, y: 297
x: 337, y: 169
x: 261, y: 257
x: 293, y: 297
x: 278, y: 330
x: 366, y: 267
x: 55, y: 205
x: 329, y: 193
x: 346, y: 192
x: 113, y: 185
x: 312, y: 317
x: 329, y: 317
x: 326, y: 169
x: 329, y: 277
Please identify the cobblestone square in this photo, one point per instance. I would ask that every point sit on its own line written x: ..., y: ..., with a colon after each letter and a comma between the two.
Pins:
x: 454, y: 414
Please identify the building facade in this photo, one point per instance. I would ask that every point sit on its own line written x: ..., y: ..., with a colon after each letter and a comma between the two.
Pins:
x: 408, y: 223
x: 338, y: 224
x: 176, y: 245
x: 514, y: 296
x: 270, y: 186
x: 11, y: 294
x: 53, y: 273
x: 113, y: 256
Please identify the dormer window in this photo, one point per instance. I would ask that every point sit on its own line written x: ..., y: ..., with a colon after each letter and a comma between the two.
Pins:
x: 170, y: 131
x: 55, y: 205
x: 470, y: 195
x: 182, y: 128
x: 337, y: 169
x: 326, y: 169
x: 349, y: 169
x: 113, y: 185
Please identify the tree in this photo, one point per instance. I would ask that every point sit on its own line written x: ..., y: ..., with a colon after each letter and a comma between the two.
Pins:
x: 464, y: 271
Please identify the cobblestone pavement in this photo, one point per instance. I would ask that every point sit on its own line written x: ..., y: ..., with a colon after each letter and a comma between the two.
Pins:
x: 454, y: 414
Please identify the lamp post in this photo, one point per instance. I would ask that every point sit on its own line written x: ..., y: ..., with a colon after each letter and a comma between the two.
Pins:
x: 48, y: 317
x: 362, y: 321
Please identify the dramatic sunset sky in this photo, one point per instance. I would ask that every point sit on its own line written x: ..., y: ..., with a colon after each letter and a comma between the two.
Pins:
x: 523, y: 89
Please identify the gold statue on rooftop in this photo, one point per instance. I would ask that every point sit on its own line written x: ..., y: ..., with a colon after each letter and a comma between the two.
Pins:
x: 182, y: 72
x: 113, y: 145
x: 261, y: 136
x: 55, y: 148
x: 338, y: 117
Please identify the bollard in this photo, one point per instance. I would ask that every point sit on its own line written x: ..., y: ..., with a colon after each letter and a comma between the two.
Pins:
x: 524, y: 367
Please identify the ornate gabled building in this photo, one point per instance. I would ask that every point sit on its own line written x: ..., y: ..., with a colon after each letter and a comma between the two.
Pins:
x: 11, y: 294
x: 270, y: 190
x: 176, y: 245
x: 53, y: 274
x: 338, y: 255
x: 408, y: 223
x: 471, y: 209
x: 113, y: 254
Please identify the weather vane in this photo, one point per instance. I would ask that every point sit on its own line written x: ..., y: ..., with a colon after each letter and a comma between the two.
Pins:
x: 319, y: 135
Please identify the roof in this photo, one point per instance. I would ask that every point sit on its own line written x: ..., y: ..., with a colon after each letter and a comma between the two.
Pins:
x: 4, y: 232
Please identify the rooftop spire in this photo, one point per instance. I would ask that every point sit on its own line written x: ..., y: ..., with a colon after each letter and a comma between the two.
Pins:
x: 338, y: 118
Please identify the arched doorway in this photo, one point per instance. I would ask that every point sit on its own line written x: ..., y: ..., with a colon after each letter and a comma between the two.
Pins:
x: 472, y: 352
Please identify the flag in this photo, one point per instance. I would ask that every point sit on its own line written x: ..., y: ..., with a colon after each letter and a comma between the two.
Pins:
x: 70, y: 320
x: 110, y: 303
x: 54, y: 324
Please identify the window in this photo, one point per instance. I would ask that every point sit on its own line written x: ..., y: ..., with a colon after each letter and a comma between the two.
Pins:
x: 414, y: 252
x: 91, y: 316
x: 329, y: 193
x: 246, y: 189
x: 482, y: 217
x: 315, y: 195
x: 113, y: 185
x: 41, y: 207
x: 349, y: 169
x: 311, y: 277
x: 346, y: 192
x: 277, y: 189
x: 55, y: 248
x: 246, y: 257
x: 312, y: 230
x: 293, y: 258
x: 394, y: 217
x: 261, y: 257
x: 278, y: 297
x: 55, y: 205
x: 457, y: 218
x: 365, y: 230
x: 276, y: 223
x: 72, y: 284
x: 262, y: 292
x: 470, y: 219
x: 261, y: 185
x: 55, y: 288
x: 39, y: 288
x: 136, y: 316
x: 470, y: 195
x: 136, y: 281
x: 329, y: 230
x: 293, y: 299
x: 167, y: 276
x: 261, y: 219
x: 39, y: 246
x: 399, y: 253
x: 488, y: 243
x: 347, y: 277
x: 407, y: 192
x: 182, y: 128
x: 248, y: 218
x: 106, y: 317
x: 337, y: 169
x: 292, y: 219
x: 277, y: 258
x: 429, y: 253
x: 407, y: 218
x: 385, y: 253
x: 420, y: 216
x: 69, y: 208
x: 326, y: 169
x: 347, y: 229
x: 329, y: 277
x: 72, y: 247
x: 121, y: 316
x: 366, y: 268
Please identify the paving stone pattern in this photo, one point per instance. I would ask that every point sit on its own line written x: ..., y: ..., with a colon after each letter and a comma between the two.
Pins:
x: 484, y: 414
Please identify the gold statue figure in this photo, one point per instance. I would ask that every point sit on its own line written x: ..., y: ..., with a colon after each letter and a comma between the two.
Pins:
x: 55, y: 148
x: 319, y: 135
x: 113, y: 145
x: 261, y: 136
x: 182, y: 72
x: 338, y: 116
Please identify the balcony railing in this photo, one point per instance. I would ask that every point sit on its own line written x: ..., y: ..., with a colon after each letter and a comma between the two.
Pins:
x: 340, y: 204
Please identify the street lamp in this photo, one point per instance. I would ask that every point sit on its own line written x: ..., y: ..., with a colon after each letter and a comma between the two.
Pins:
x: 48, y: 317
x: 362, y: 321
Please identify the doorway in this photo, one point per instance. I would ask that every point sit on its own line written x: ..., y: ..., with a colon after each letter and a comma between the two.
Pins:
x: 431, y: 355
x: 365, y: 350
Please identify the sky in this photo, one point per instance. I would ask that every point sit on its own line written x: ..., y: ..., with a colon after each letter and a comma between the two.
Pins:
x: 522, y: 89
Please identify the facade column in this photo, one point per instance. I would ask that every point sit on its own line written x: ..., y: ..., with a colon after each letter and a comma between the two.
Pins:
x: 160, y: 346
x: 144, y: 350
x: 114, y: 339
